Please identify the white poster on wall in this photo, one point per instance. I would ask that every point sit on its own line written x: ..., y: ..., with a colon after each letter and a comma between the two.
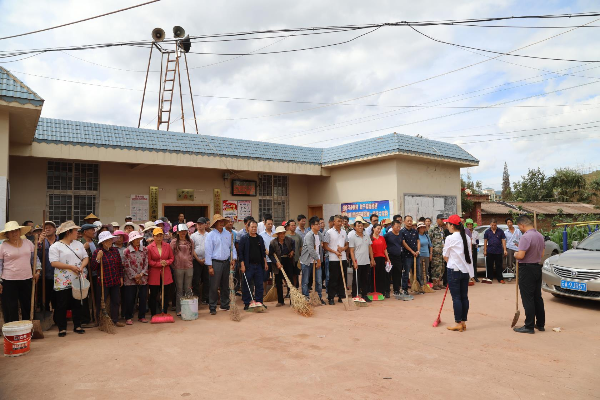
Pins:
x: 244, y: 208
x: 429, y: 206
x: 139, y: 207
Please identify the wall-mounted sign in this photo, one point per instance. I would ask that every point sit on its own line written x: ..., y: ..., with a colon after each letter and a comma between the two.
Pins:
x: 230, y: 209
x: 217, y: 200
x: 366, y: 208
x: 241, y: 187
x: 244, y: 209
x: 138, y: 207
x: 185, y: 194
x: 153, y: 204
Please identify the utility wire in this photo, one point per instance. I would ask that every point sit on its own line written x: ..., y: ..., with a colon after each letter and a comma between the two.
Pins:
x: 77, y: 22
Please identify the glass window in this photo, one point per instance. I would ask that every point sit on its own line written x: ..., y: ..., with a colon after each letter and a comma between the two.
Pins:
x: 273, y: 197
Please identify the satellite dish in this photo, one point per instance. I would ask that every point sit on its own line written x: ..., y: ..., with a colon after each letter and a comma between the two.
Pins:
x: 178, y: 31
x: 158, y: 35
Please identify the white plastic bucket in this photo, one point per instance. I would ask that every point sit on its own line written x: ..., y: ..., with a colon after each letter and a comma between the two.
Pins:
x: 189, y: 309
x: 80, y: 294
x: 17, y: 338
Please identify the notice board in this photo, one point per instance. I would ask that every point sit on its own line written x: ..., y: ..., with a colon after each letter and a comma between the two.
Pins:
x: 429, y: 206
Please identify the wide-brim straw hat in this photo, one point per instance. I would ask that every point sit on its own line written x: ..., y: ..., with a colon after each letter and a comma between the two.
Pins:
x: 360, y: 219
x: 13, y: 226
x: 91, y: 216
x: 280, y: 229
x: 66, y: 226
x: 148, y: 226
x: 216, y: 218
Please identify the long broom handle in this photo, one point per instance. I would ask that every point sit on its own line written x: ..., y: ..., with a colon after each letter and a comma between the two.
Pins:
x: 443, y: 300
x: 162, y: 296
x: 102, y: 281
x: 33, y: 280
x: 517, y: 285
x: 44, y: 276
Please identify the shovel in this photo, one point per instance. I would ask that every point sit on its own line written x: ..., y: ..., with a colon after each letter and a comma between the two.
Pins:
x: 518, y: 312
x: 43, y: 316
x: 37, y: 326
x: 348, y: 305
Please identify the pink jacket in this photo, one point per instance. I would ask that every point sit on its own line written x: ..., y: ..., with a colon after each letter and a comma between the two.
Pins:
x: 154, y: 260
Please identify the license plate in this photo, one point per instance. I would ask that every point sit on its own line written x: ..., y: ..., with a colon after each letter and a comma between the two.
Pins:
x: 579, y: 286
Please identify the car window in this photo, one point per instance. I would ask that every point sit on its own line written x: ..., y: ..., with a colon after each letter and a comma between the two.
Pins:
x: 590, y: 243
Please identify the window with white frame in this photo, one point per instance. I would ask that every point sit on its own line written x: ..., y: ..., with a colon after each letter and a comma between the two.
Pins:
x: 72, y: 191
x: 273, y: 197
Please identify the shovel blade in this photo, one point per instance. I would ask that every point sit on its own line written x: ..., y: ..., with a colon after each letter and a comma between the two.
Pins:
x: 515, y: 318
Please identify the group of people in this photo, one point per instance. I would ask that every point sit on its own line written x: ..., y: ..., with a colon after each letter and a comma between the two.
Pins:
x: 130, y: 266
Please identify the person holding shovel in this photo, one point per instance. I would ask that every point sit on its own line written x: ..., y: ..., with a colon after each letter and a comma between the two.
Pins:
x: 113, y: 275
x: 457, y: 254
x: 47, y: 239
x: 412, y: 246
x: 531, y: 250
x: 69, y: 259
x: 312, y: 252
x: 336, y: 243
x: 361, y: 254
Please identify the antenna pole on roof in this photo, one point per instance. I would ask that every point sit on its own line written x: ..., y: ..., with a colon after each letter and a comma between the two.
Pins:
x: 191, y: 94
x: 145, y: 83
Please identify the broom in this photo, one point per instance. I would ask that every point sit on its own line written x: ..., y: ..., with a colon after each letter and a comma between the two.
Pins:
x: 105, y: 323
x: 37, y: 326
x: 518, y: 312
x: 272, y: 293
x: 299, y: 302
x: 348, y: 305
x: 438, y: 320
x: 415, y: 287
x: 163, y: 317
x: 358, y: 300
x: 375, y: 295
x: 426, y: 287
x: 254, y: 306
x: 313, y: 299
x: 234, y: 311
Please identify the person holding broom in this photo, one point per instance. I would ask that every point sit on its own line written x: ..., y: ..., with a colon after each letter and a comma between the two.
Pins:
x: 135, y: 277
x: 253, y: 264
x: 160, y: 257
x: 361, y: 253
x: 282, y: 247
x: 336, y: 243
x: 312, y: 252
x: 112, y: 266
x: 457, y: 254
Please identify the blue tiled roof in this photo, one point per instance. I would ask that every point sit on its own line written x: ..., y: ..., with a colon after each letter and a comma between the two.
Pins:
x: 395, y: 143
x: 59, y: 131
x: 12, y: 89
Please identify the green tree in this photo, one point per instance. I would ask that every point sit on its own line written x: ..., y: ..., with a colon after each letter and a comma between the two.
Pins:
x: 506, y: 192
x: 534, y: 186
x: 569, y: 185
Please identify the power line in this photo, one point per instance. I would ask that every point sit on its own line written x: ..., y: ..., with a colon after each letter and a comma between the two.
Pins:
x: 519, y: 130
x: 532, y: 135
x: 81, y: 20
x: 501, y: 53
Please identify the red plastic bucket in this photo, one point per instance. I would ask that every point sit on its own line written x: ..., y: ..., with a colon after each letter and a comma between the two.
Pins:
x: 17, y: 338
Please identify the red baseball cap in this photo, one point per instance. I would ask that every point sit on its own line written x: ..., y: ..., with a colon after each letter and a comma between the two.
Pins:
x: 453, y: 219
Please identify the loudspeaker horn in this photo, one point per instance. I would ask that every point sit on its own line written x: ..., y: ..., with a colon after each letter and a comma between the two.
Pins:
x: 178, y: 31
x: 158, y: 35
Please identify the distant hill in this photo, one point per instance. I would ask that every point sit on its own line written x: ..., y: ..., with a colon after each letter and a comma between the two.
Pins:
x: 592, y: 176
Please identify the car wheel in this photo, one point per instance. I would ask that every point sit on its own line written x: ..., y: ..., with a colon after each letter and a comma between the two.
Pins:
x: 554, y: 253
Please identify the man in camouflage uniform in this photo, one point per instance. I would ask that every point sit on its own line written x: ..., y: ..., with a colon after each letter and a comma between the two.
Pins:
x: 436, y: 233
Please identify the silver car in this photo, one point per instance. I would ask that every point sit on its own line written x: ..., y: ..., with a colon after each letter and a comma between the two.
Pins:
x: 550, y: 250
x: 576, y: 272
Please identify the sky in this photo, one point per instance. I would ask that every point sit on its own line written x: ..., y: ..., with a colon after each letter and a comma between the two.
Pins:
x: 532, y: 113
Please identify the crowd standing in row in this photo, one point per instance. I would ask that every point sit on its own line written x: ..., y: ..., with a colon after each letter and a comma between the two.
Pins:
x: 196, y: 259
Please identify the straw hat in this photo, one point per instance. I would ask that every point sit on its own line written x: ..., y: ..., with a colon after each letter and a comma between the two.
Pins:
x: 66, y: 226
x: 104, y: 236
x: 13, y: 226
x: 91, y: 216
x: 148, y: 226
x: 360, y: 219
x: 216, y: 218
x: 385, y: 221
x: 280, y: 229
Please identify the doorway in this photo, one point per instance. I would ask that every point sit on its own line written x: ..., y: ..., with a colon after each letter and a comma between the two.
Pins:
x: 190, y: 212
x: 315, y: 210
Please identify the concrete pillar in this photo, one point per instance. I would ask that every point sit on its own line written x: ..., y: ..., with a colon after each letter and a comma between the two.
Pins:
x: 4, y: 136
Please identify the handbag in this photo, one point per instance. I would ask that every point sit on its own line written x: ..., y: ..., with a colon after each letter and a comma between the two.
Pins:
x: 80, y: 286
x: 388, y: 266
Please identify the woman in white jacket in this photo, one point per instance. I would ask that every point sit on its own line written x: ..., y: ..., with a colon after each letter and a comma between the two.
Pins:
x: 457, y: 254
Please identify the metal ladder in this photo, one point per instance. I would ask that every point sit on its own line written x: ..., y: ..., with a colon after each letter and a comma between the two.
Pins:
x: 167, y: 91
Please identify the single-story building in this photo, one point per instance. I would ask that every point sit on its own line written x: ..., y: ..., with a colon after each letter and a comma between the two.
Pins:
x: 52, y: 169
x: 546, y: 210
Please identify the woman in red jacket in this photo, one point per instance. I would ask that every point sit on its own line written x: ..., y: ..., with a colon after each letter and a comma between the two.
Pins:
x: 160, y: 257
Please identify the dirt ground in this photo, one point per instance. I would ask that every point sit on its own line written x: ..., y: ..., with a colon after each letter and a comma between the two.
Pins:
x: 386, y: 350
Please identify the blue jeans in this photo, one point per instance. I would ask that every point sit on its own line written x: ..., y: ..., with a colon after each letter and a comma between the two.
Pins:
x: 254, y: 275
x: 407, y: 266
x: 458, y: 283
x: 306, y: 272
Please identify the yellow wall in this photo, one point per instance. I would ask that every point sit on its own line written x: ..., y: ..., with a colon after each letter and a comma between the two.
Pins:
x: 4, y: 138
x: 119, y: 181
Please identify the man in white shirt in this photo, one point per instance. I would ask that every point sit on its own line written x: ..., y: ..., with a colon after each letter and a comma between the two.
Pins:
x: 362, y: 258
x: 200, y: 268
x: 374, y: 218
x: 336, y: 244
x: 218, y: 249
x: 263, y: 223
x: 267, y: 236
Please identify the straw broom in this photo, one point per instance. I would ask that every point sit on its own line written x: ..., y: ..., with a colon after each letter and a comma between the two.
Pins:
x: 313, y: 299
x: 415, y: 287
x: 299, y: 302
x: 272, y: 293
x: 105, y: 323
x: 426, y: 287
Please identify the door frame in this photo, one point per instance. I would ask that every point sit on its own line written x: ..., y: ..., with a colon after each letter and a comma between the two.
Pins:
x: 180, y: 204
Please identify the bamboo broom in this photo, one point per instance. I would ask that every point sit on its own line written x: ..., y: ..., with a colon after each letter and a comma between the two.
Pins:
x: 426, y: 287
x: 415, y: 287
x: 299, y: 302
x: 272, y: 293
x: 314, y: 297
x: 105, y: 323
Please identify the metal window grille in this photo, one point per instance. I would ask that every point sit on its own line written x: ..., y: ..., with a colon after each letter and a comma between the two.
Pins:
x: 273, y: 197
x: 72, y: 191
